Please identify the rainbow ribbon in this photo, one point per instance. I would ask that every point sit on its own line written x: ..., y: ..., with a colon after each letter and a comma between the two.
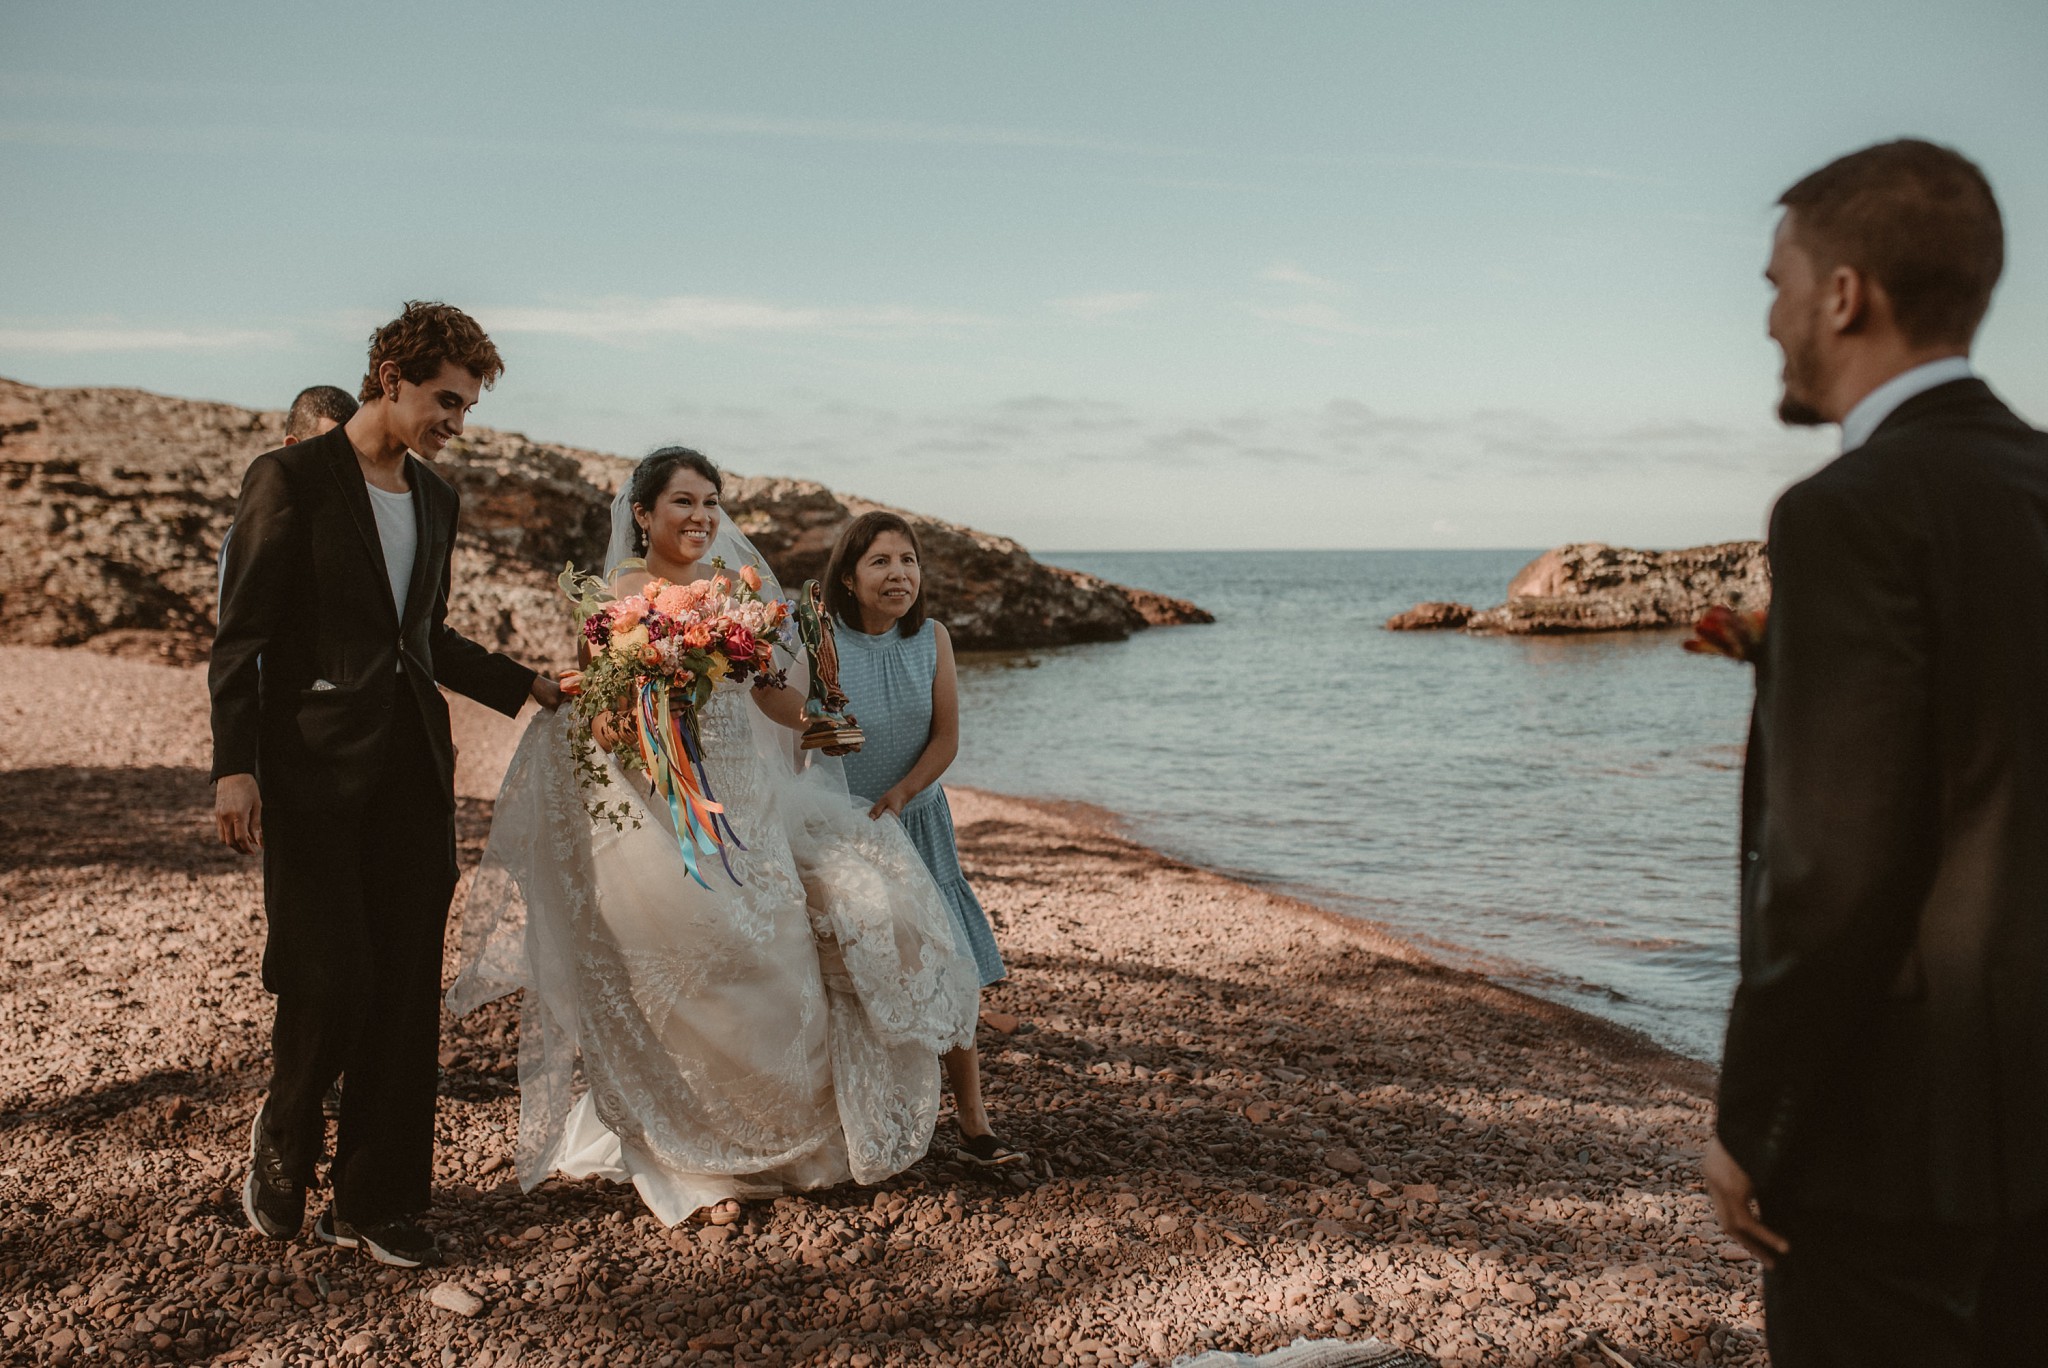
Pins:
x: 675, y: 770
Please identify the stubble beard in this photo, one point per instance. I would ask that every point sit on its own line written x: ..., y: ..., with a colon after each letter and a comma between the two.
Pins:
x: 1802, y: 363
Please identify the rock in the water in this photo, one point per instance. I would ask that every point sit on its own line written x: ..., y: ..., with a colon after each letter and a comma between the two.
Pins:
x: 117, y: 501
x: 1431, y: 617
x: 1593, y: 587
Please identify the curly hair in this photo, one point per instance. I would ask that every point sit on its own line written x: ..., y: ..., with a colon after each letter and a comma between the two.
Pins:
x: 427, y: 334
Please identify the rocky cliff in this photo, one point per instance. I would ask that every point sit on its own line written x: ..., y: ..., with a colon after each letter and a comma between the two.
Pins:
x: 1593, y: 587
x: 116, y: 502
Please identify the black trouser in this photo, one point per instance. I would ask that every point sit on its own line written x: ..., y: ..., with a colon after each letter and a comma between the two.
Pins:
x: 357, y: 900
x: 1864, y: 1293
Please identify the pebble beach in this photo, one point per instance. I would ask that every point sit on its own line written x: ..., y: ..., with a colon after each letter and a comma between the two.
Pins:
x: 1249, y: 1121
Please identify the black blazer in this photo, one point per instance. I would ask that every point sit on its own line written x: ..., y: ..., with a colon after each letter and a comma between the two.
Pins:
x: 304, y: 587
x: 1887, y: 1051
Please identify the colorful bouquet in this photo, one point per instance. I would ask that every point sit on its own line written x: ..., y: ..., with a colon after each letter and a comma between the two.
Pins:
x: 655, y: 657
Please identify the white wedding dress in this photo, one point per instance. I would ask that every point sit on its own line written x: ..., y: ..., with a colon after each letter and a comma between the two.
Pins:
x: 775, y: 1033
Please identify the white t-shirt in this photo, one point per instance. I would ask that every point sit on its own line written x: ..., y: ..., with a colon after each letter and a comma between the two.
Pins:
x: 401, y: 538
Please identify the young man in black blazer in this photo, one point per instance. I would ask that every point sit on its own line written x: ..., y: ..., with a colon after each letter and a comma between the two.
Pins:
x: 334, y: 758
x: 1882, y: 1140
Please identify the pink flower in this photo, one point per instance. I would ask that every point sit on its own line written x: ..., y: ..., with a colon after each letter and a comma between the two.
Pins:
x: 674, y: 599
x: 739, y: 642
x: 627, y: 613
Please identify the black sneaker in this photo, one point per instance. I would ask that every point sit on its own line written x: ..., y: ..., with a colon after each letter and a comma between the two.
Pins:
x: 273, y: 1200
x: 328, y: 1232
x: 400, y: 1242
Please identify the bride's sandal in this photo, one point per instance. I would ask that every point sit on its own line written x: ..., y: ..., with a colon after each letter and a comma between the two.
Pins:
x: 988, y: 1152
x: 723, y: 1213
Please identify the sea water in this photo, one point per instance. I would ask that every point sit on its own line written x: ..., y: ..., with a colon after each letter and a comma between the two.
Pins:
x: 1557, y: 812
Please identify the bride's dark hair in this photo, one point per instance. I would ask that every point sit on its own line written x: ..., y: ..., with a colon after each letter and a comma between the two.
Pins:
x: 652, y: 475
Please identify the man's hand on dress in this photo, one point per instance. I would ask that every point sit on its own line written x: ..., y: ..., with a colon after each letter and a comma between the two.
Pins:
x: 546, y: 692
x: 1734, y: 1198
x: 238, y: 812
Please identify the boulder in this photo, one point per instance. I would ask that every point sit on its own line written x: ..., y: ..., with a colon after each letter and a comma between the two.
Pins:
x: 1431, y: 617
x: 1593, y: 587
x: 987, y: 589
x: 117, y: 501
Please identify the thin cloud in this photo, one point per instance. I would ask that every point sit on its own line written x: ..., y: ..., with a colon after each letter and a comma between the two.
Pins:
x: 898, y: 131
x: 1599, y: 173
x: 854, y: 447
x: 1106, y: 305
x: 110, y: 339
x: 1317, y: 318
x: 1287, y: 273
x: 623, y: 318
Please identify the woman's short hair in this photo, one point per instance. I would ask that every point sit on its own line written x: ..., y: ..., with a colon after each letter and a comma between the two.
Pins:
x: 853, y: 543
x: 1916, y: 217
x: 651, y: 477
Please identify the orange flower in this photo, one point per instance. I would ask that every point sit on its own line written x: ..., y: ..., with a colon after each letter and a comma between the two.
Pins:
x: 697, y: 635
x: 750, y: 577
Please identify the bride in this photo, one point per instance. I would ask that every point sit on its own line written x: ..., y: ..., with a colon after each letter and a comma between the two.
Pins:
x: 779, y: 1030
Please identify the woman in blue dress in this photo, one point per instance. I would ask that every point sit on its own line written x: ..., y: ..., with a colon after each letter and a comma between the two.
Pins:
x: 896, y: 669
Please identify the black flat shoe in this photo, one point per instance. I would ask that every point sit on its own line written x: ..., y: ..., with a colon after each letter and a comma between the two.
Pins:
x: 988, y: 1152
x: 273, y: 1200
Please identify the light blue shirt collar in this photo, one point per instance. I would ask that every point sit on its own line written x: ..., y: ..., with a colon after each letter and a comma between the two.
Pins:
x: 1881, y: 402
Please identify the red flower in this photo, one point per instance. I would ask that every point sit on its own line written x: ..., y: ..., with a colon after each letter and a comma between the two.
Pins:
x: 1730, y: 632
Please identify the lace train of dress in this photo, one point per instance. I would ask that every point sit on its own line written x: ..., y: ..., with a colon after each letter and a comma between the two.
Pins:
x: 777, y: 1033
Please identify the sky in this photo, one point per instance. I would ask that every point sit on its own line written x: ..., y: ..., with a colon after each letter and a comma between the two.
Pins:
x: 1095, y: 275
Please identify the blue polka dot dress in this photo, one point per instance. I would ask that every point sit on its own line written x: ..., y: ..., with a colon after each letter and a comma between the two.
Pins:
x: 887, y: 680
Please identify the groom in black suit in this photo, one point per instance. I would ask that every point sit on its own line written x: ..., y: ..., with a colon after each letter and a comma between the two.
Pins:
x: 332, y: 755
x: 1882, y: 1142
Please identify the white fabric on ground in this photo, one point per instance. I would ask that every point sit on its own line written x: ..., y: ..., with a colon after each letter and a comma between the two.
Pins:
x: 1307, y: 1353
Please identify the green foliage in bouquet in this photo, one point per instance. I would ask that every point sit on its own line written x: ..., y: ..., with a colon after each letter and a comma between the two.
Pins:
x: 604, y: 678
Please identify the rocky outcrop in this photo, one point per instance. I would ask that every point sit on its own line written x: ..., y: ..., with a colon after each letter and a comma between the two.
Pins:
x: 1593, y: 587
x: 987, y: 589
x: 1431, y: 617
x: 116, y: 502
